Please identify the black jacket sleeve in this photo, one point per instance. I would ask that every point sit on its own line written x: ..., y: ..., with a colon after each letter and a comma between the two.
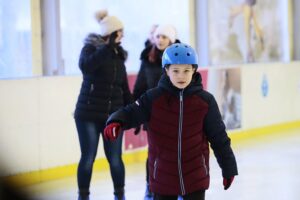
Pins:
x: 127, y: 97
x: 133, y: 114
x: 220, y: 142
x: 140, y: 85
x: 90, y: 57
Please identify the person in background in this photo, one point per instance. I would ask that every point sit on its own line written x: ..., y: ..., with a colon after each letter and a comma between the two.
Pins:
x: 151, y: 40
x: 150, y: 71
x: 183, y: 119
x: 104, y: 89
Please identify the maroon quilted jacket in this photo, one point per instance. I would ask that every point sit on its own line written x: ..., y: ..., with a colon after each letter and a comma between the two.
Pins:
x: 181, y: 125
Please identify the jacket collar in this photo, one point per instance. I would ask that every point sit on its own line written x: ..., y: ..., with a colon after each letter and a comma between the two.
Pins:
x: 94, y: 39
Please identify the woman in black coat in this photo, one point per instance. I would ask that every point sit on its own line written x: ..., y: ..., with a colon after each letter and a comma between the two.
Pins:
x: 104, y: 89
x: 151, y: 70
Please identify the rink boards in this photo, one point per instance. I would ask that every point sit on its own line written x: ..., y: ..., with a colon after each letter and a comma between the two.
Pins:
x: 38, y: 139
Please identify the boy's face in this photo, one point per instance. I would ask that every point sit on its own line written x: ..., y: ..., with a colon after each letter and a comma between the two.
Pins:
x: 180, y: 75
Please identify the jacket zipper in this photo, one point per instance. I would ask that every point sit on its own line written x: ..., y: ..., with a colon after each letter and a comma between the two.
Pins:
x: 90, y: 92
x: 179, y: 144
x: 111, y: 89
x: 155, y: 169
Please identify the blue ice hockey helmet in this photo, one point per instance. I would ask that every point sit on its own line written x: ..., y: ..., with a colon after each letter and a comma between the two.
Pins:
x: 179, y: 53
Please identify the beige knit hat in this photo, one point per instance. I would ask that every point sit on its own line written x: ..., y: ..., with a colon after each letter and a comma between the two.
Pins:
x: 108, y: 24
x: 166, y: 30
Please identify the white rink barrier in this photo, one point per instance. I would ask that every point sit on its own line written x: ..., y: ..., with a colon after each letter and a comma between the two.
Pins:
x: 37, y: 128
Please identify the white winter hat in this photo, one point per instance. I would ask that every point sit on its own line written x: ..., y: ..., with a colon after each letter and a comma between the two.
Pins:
x: 166, y: 30
x: 108, y: 24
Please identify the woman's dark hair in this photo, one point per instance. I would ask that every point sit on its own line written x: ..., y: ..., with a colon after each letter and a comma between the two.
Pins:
x: 111, y: 37
x: 155, y: 54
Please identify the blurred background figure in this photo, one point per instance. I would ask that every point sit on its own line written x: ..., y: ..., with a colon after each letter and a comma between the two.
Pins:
x: 231, y: 99
x: 151, y: 70
x: 250, y: 21
x: 104, y: 89
x: 11, y: 192
x: 151, y: 40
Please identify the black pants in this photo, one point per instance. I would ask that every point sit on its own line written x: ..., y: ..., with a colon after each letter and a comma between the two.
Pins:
x: 199, y: 195
x: 89, y: 134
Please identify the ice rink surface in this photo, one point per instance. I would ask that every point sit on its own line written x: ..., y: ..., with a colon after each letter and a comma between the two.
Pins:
x: 269, y: 169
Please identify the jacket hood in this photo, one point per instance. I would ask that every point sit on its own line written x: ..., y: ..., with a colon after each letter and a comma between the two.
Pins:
x: 194, y: 86
x: 94, y: 39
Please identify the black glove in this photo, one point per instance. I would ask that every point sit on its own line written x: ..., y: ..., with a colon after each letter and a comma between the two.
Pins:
x: 137, y: 130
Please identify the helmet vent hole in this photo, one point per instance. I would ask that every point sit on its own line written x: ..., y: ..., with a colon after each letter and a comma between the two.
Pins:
x: 176, y: 46
x: 176, y: 54
x: 188, y: 54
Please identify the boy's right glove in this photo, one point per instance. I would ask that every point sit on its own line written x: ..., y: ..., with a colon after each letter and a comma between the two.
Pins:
x: 227, y: 182
x: 112, y: 131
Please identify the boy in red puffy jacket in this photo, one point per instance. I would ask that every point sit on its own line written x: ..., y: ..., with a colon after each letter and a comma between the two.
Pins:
x: 182, y: 120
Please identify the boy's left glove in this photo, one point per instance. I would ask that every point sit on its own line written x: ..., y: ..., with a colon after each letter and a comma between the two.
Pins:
x: 112, y: 131
x: 227, y: 182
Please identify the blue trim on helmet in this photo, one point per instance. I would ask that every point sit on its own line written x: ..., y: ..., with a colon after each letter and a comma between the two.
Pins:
x: 179, y: 53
